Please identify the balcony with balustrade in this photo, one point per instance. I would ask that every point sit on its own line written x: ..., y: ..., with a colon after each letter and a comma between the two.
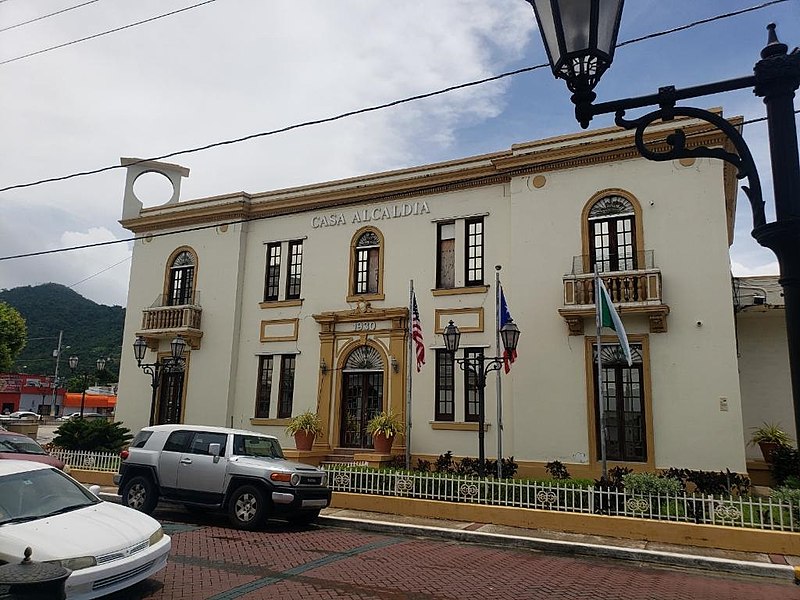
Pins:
x: 635, y: 291
x: 165, y: 321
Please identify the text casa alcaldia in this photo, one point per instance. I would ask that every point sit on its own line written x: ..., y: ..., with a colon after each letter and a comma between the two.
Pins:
x: 366, y: 215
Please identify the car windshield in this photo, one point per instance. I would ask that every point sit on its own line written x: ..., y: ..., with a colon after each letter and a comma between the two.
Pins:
x: 40, y: 493
x: 255, y: 445
x: 19, y: 444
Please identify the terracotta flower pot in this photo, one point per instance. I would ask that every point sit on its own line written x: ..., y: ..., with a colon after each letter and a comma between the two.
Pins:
x: 768, y: 449
x: 382, y: 444
x: 304, y: 440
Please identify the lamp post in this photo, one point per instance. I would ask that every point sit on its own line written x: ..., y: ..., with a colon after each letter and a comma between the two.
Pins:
x: 481, y: 366
x: 84, y: 377
x: 580, y: 38
x: 157, y: 368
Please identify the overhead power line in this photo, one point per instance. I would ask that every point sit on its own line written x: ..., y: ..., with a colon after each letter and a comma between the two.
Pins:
x: 381, y: 198
x: 371, y: 108
x: 52, y: 14
x: 101, y: 34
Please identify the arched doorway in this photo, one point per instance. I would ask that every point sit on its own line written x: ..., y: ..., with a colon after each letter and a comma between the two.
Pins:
x: 362, y: 395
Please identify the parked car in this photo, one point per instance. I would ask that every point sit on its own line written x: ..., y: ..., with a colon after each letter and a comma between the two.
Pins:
x: 24, y: 415
x: 77, y: 415
x: 239, y: 471
x: 17, y: 446
x: 108, y: 547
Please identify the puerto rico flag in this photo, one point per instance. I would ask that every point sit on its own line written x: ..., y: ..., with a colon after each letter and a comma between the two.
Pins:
x: 505, y: 317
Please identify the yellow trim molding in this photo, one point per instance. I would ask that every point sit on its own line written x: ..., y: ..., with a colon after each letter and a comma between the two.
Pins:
x: 263, y: 337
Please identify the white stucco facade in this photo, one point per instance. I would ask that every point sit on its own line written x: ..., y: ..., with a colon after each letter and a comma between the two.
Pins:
x: 532, y: 202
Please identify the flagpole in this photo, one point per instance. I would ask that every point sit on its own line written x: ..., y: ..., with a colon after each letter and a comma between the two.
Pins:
x: 409, y: 350
x: 499, y: 393
x: 598, y: 299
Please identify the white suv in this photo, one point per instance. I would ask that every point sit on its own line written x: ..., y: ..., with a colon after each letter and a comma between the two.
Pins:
x: 239, y: 471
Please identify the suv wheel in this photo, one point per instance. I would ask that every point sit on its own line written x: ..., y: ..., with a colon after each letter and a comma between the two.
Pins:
x: 140, y: 493
x: 247, y: 508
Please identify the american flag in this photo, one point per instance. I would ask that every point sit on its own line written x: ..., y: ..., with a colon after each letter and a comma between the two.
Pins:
x: 416, y: 332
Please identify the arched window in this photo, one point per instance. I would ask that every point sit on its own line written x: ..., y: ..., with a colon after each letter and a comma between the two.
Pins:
x: 612, y: 228
x: 180, y: 287
x: 367, y: 264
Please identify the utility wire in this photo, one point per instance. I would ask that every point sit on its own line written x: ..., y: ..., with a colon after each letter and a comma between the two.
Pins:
x: 53, y: 14
x: 101, y: 34
x: 700, y: 22
x: 93, y: 275
x: 380, y: 198
x: 363, y: 110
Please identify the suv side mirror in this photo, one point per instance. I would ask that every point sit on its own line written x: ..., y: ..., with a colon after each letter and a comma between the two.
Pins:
x: 214, y: 450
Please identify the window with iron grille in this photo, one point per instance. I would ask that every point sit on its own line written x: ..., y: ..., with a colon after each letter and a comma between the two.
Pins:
x: 294, y: 270
x: 472, y: 392
x: 474, y: 251
x: 445, y: 386
x: 273, y: 274
x: 181, y: 279
x: 264, y: 388
x: 446, y: 256
x: 623, y: 404
x: 611, y: 229
x: 286, y: 386
x: 367, y: 264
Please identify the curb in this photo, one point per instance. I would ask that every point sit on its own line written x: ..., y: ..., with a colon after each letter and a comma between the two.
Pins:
x: 749, y: 568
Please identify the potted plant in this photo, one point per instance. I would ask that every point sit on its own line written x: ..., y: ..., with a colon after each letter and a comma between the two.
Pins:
x: 769, y: 438
x: 383, y: 428
x: 304, y: 427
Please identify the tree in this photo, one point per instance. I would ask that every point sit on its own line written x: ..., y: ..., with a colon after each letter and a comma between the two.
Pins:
x: 13, y: 336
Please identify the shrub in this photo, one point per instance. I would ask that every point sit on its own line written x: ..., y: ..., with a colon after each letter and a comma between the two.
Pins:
x: 92, y: 435
x: 650, y: 484
x: 557, y: 470
x: 713, y: 483
x: 445, y: 464
x: 471, y: 466
x: 614, y: 479
x: 790, y: 496
x: 423, y: 466
x: 785, y: 464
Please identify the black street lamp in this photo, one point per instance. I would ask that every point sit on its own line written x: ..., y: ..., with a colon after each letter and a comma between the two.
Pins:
x: 580, y: 39
x: 172, y: 363
x: 84, y: 377
x: 480, y: 366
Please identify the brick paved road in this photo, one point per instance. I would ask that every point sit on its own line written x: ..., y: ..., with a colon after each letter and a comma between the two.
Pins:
x: 210, y: 561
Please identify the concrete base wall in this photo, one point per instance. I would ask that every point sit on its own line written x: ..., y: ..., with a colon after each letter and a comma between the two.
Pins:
x: 704, y: 536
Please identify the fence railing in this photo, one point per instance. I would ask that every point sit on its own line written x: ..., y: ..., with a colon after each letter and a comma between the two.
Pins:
x: 732, y: 511
x: 91, y: 461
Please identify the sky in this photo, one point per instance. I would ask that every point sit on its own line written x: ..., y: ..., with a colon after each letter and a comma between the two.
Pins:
x: 231, y: 68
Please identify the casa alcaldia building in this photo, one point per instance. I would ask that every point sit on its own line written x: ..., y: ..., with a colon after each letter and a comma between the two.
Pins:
x: 298, y: 299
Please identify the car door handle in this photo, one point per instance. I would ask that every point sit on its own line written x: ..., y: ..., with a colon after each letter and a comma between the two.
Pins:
x: 186, y: 461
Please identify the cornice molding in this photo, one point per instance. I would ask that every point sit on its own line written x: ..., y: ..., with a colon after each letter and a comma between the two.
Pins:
x: 554, y: 154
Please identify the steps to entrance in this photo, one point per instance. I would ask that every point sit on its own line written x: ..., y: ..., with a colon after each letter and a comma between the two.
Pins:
x: 341, y: 456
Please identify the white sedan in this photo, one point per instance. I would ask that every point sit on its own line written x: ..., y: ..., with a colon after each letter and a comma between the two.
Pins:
x: 108, y: 547
x: 24, y: 415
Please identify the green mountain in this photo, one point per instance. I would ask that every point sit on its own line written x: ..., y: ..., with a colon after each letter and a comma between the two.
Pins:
x: 90, y: 330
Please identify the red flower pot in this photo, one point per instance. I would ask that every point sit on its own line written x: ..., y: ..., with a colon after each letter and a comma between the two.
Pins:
x: 304, y: 440
x: 382, y: 444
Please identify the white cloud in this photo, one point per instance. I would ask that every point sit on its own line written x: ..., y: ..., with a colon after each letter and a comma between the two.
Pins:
x: 236, y: 67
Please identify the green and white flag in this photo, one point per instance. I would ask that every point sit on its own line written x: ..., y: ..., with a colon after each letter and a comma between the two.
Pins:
x: 608, y: 317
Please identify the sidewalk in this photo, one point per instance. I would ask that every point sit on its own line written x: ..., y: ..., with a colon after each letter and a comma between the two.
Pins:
x: 773, y: 566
